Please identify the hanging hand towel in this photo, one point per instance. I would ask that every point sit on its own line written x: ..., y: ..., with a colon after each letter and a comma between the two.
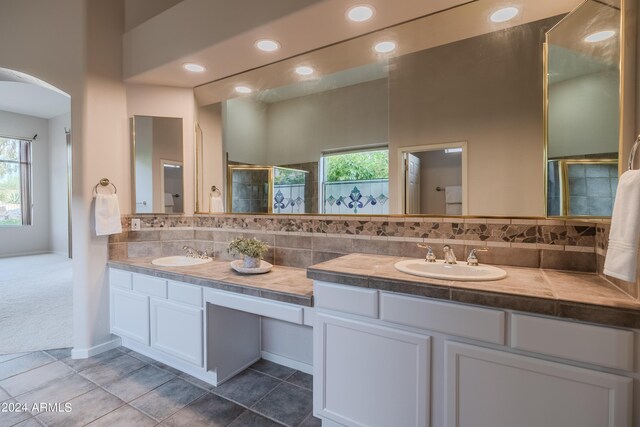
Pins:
x: 453, y: 194
x: 215, y: 204
x: 622, y: 253
x: 107, y: 215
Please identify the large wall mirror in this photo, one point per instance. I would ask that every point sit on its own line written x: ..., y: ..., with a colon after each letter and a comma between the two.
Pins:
x: 583, y: 110
x: 442, y: 115
x: 157, y: 164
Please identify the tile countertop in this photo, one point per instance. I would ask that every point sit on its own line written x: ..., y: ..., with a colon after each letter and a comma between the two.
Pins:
x: 284, y: 284
x: 580, y: 296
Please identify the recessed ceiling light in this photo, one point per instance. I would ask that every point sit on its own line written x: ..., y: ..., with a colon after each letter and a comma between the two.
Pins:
x: 599, y: 36
x: 195, y: 68
x: 385, y: 47
x: 267, y: 45
x: 360, y: 13
x: 504, y: 14
x: 304, y: 70
x: 243, y: 89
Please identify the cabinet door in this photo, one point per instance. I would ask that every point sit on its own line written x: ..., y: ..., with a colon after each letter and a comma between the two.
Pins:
x: 130, y: 315
x: 176, y: 329
x: 489, y: 388
x: 369, y: 375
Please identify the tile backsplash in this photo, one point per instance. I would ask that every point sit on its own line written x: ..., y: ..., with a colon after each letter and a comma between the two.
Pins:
x: 300, y: 241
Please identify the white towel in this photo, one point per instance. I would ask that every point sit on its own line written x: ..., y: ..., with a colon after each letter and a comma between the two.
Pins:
x: 453, y: 208
x: 215, y: 204
x: 622, y: 253
x: 107, y: 211
x: 168, y: 199
x: 453, y: 194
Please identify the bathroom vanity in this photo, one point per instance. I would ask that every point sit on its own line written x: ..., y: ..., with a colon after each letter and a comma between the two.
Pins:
x: 392, y: 349
x: 539, y: 347
x: 209, y: 322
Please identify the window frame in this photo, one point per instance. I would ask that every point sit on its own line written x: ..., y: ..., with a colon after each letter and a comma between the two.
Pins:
x: 25, y: 171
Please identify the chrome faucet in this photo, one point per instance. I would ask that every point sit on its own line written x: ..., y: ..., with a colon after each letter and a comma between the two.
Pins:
x: 449, y: 256
x: 194, y: 253
x: 430, y: 257
x: 472, y: 259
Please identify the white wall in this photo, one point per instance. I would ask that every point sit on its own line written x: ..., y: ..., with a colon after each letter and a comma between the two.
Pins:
x: 58, y: 180
x: 584, y: 115
x: 162, y: 101
x: 34, y: 238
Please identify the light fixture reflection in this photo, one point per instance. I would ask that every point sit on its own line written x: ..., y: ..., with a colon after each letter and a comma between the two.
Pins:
x: 243, y: 89
x: 599, y: 36
x: 304, y: 70
x: 504, y: 14
x: 385, y: 47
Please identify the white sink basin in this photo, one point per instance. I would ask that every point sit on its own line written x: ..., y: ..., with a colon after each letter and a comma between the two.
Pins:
x: 179, y: 261
x: 440, y: 270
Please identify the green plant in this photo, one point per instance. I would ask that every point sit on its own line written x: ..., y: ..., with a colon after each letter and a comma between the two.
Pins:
x: 360, y: 166
x: 249, y: 247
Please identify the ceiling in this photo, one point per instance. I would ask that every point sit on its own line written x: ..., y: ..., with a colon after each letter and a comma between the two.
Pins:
x: 221, y: 35
x: 23, y: 94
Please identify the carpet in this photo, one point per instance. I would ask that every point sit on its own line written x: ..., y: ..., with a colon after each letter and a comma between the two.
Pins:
x: 36, y: 303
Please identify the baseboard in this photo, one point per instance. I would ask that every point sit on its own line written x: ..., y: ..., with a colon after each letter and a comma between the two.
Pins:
x: 25, y: 254
x: 293, y: 364
x: 85, y: 353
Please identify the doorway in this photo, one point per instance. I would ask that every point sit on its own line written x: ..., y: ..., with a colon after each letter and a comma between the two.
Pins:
x: 171, y: 184
x: 434, y: 179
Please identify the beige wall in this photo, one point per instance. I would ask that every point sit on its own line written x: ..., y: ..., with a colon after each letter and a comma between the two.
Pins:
x: 58, y: 195
x: 299, y: 129
x: 596, y: 128
x: 486, y: 90
x: 211, y: 170
x: 245, y: 130
x: 437, y: 169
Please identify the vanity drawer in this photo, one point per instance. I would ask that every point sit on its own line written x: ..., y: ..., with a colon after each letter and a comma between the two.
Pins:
x: 119, y: 278
x: 259, y: 306
x: 347, y: 299
x: 150, y: 285
x: 575, y: 341
x: 452, y: 319
x: 186, y: 294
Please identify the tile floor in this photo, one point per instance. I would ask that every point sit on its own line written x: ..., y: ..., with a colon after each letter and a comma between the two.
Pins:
x: 123, y: 388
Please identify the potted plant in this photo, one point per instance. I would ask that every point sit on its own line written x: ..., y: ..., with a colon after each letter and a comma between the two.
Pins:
x: 253, y: 250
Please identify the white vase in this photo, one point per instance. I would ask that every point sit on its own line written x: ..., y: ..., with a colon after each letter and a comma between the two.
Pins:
x: 250, y: 262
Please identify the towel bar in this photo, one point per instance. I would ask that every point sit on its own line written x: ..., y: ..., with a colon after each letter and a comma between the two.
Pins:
x: 632, y: 155
x: 216, y: 189
x: 104, y: 182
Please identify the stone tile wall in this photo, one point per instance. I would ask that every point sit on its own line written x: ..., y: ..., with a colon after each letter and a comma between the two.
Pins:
x: 300, y: 241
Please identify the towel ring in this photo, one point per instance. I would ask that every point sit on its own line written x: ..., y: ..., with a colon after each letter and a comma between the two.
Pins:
x: 632, y: 155
x: 215, y: 189
x: 104, y: 182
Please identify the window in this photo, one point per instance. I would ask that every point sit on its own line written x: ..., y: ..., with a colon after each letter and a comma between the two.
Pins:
x: 355, y: 182
x: 15, y: 182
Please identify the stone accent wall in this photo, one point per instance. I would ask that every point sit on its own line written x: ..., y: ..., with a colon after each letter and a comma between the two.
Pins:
x: 300, y: 241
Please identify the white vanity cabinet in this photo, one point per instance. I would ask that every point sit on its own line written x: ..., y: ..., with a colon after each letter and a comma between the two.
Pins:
x: 372, y: 375
x: 159, y: 318
x: 394, y: 359
x: 177, y: 329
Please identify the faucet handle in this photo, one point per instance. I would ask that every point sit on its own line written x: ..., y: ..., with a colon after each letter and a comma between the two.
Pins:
x: 430, y: 257
x: 472, y: 259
